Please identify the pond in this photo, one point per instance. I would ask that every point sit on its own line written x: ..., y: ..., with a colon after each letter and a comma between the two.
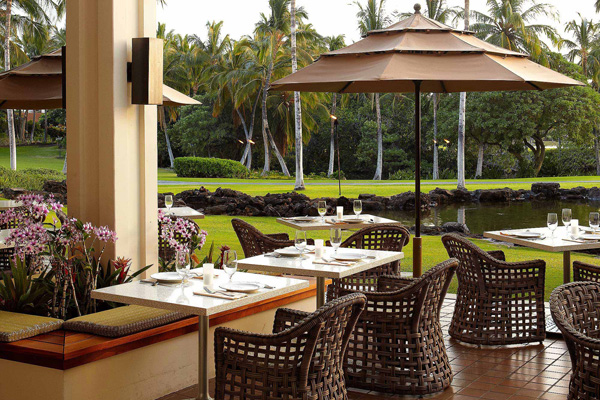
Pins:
x: 481, y: 217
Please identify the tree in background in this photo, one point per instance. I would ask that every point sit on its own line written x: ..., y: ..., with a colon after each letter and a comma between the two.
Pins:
x: 462, y: 115
x: 333, y: 43
x: 297, y: 103
x: 372, y: 16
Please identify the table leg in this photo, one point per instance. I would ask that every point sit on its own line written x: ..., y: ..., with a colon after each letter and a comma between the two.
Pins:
x: 566, y: 267
x: 320, y: 292
x: 203, y: 324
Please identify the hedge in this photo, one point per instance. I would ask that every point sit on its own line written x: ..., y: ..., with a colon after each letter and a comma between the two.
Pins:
x: 29, y: 179
x: 199, y: 167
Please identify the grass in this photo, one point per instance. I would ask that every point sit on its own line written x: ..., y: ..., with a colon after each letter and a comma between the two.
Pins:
x: 50, y: 157
x: 220, y: 231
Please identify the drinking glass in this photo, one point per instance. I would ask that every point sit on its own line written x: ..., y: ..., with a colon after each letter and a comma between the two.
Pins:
x: 168, y: 203
x: 566, y: 217
x: 357, y: 207
x: 552, y: 222
x: 300, y: 242
x: 182, y: 265
x: 230, y: 263
x: 594, y: 221
x: 335, y: 237
x: 322, y: 207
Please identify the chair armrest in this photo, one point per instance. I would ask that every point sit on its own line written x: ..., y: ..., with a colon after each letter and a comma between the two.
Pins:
x: 279, y: 236
x: 497, y: 254
x: 586, y: 272
x: 390, y: 283
x: 521, y: 274
x: 286, y: 318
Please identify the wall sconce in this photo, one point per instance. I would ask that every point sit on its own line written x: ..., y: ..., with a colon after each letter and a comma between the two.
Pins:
x: 146, y: 71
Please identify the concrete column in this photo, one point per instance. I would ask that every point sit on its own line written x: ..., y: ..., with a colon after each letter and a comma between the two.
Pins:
x: 111, y: 143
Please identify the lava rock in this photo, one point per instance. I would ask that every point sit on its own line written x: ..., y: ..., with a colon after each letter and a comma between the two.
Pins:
x: 546, y: 190
x: 495, y: 195
x: 450, y: 227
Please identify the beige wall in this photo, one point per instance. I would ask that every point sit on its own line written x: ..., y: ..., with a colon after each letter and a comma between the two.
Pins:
x: 111, y: 145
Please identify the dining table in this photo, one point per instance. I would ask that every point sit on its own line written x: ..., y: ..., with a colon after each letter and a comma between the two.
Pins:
x: 193, y: 299
x: 542, y: 239
x: 321, y: 224
x: 330, y: 266
x: 183, y: 212
x: 7, y: 204
x: 3, y: 236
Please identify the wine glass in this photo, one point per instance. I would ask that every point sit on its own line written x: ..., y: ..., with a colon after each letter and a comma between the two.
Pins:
x: 552, y: 222
x: 230, y: 263
x: 300, y: 242
x: 566, y: 217
x: 594, y: 221
x: 322, y: 207
x: 335, y: 237
x: 182, y: 265
x: 357, y: 207
x: 168, y: 203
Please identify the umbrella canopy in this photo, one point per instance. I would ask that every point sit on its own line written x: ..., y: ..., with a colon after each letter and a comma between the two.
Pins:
x: 419, y: 54
x: 37, y: 85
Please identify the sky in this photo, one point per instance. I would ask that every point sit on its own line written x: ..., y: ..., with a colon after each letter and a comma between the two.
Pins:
x: 329, y: 17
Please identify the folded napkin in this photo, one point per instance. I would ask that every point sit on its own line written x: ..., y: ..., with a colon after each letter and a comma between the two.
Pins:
x: 219, y: 295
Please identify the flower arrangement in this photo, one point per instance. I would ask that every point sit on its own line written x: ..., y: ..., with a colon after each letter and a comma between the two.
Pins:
x: 70, y: 249
x: 181, y: 236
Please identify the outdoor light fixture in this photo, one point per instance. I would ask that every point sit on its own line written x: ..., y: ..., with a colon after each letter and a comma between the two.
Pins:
x: 251, y: 141
x: 240, y: 141
x: 447, y: 141
x: 333, y: 117
x: 147, y: 71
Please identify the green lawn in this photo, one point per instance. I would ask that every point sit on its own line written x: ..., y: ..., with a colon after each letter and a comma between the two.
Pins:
x: 49, y: 157
x: 220, y: 231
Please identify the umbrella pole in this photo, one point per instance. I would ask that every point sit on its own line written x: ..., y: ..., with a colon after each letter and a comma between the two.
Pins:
x: 417, y: 244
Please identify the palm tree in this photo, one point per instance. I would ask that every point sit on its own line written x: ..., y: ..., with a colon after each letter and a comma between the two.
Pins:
x: 462, y: 111
x: 372, y: 16
x: 16, y: 12
x: 333, y: 43
x: 297, y: 105
x: 586, y: 34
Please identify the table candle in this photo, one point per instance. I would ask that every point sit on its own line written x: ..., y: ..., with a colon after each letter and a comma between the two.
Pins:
x: 207, y: 273
x: 340, y: 213
x: 319, y: 248
x: 574, y: 227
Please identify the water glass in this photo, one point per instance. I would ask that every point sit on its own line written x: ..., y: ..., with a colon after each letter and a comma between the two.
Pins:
x: 182, y: 265
x: 322, y: 208
x: 552, y: 222
x: 357, y: 207
x: 300, y: 241
x: 168, y: 203
x: 594, y: 221
x: 566, y: 217
x: 335, y: 237
x: 230, y: 263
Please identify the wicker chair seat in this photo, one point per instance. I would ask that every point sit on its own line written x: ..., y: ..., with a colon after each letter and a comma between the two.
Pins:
x: 497, y: 303
x: 584, y: 272
x: 302, y: 359
x: 575, y: 308
x: 255, y: 243
x: 389, y: 237
x: 397, y: 346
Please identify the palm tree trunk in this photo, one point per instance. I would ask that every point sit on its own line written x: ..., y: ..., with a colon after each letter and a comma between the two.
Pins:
x: 332, y: 141
x: 297, y: 104
x: 23, y: 123
x: 597, y: 152
x: 379, y: 170
x: 162, y: 116
x: 45, y: 126
x: 461, y: 122
x: 436, y: 169
x: 479, y: 169
x: 251, y: 130
x: 12, y: 140
x: 32, y: 128
x: 64, y: 170
x: 246, y: 135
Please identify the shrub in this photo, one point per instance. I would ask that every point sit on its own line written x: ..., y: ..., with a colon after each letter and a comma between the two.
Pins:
x: 569, y: 161
x: 198, y: 167
x: 29, y: 179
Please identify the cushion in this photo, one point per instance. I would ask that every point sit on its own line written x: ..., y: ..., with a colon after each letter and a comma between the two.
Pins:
x: 16, y: 326
x: 122, y: 321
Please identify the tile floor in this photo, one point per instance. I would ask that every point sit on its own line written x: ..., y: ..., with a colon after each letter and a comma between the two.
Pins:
x: 536, y: 371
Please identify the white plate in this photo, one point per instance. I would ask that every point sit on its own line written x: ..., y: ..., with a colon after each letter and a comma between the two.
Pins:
x: 589, y: 236
x: 288, y: 252
x: 198, y: 272
x: 353, y: 220
x: 348, y: 256
x: 528, y: 235
x: 242, y: 287
x: 167, y: 277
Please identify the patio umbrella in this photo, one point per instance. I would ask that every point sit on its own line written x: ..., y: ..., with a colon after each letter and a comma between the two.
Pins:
x: 419, y: 55
x: 37, y: 85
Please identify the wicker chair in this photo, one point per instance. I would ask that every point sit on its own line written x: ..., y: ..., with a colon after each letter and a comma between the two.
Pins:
x: 302, y: 359
x: 498, y: 302
x: 398, y: 346
x: 575, y: 311
x: 378, y: 237
x: 166, y: 252
x: 255, y: 243
x: 584, y: 272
